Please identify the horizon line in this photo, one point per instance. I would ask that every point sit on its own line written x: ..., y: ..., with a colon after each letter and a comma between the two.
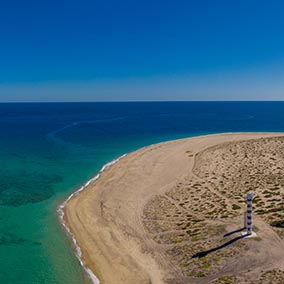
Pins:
x: 134, y: 101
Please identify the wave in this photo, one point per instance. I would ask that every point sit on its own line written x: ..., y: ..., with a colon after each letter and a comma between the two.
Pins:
x: 53, y: 135
x: 61, y: 214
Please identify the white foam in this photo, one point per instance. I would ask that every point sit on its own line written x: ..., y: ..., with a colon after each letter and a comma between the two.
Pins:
x: 60, y: 212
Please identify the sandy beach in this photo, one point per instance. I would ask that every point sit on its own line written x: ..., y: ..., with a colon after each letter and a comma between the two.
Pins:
x: 173, y: 212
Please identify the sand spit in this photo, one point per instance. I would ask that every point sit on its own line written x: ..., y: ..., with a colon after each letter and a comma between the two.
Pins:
x: 173, y: 212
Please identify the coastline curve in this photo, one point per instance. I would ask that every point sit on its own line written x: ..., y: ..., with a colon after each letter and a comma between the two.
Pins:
x: 61, y: 214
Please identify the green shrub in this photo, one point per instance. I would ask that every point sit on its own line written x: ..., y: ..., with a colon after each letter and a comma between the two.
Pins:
x: 277, y: 224
x: 236, y: 207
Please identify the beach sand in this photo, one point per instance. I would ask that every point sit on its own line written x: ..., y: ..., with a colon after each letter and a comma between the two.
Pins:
x: 159, y: 215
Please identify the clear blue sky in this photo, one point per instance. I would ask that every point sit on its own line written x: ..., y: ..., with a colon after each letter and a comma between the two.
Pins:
x: 141, y: 50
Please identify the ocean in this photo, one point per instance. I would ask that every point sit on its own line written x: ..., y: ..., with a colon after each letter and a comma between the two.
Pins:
x: 48, y: 150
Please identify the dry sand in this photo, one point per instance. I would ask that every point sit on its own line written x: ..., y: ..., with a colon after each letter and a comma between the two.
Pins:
x: 160, y: 214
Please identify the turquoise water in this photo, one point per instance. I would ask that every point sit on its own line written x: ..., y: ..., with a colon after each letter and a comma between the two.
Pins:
x: 48, y: 150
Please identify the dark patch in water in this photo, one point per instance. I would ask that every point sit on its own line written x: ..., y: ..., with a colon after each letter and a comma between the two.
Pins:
x: 21, y: 188
x: 17, y: 156
x: 7, y: 239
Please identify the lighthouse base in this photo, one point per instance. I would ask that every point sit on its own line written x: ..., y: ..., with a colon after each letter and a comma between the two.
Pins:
x: 245, y: 235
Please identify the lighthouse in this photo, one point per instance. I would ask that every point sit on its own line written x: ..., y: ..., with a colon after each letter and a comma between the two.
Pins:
x: 248, y: 216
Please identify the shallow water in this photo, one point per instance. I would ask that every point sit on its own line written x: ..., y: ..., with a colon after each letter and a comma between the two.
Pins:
x: 49, y: 150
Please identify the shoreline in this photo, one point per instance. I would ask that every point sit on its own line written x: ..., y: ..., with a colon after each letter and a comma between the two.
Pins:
x: 91, y: 272
x: 61, y: 215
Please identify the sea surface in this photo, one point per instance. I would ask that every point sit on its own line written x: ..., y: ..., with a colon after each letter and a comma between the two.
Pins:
x: 49, y: 150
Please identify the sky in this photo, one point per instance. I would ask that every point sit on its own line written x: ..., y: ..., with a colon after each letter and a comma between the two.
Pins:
x: 141, y: 50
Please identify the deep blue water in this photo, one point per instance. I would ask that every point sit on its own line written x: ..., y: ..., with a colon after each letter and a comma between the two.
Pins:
x: 48, y: 150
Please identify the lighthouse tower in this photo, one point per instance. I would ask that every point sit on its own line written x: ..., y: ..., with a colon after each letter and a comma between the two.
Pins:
x: 248, y: 216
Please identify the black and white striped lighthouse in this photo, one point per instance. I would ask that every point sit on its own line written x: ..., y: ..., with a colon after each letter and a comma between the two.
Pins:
x: 248, y: 214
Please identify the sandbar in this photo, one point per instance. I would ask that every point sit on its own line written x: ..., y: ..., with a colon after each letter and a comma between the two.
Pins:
x: 172, y: 213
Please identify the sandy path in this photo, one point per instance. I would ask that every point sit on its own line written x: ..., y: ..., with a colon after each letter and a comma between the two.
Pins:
x: 106, y: 217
